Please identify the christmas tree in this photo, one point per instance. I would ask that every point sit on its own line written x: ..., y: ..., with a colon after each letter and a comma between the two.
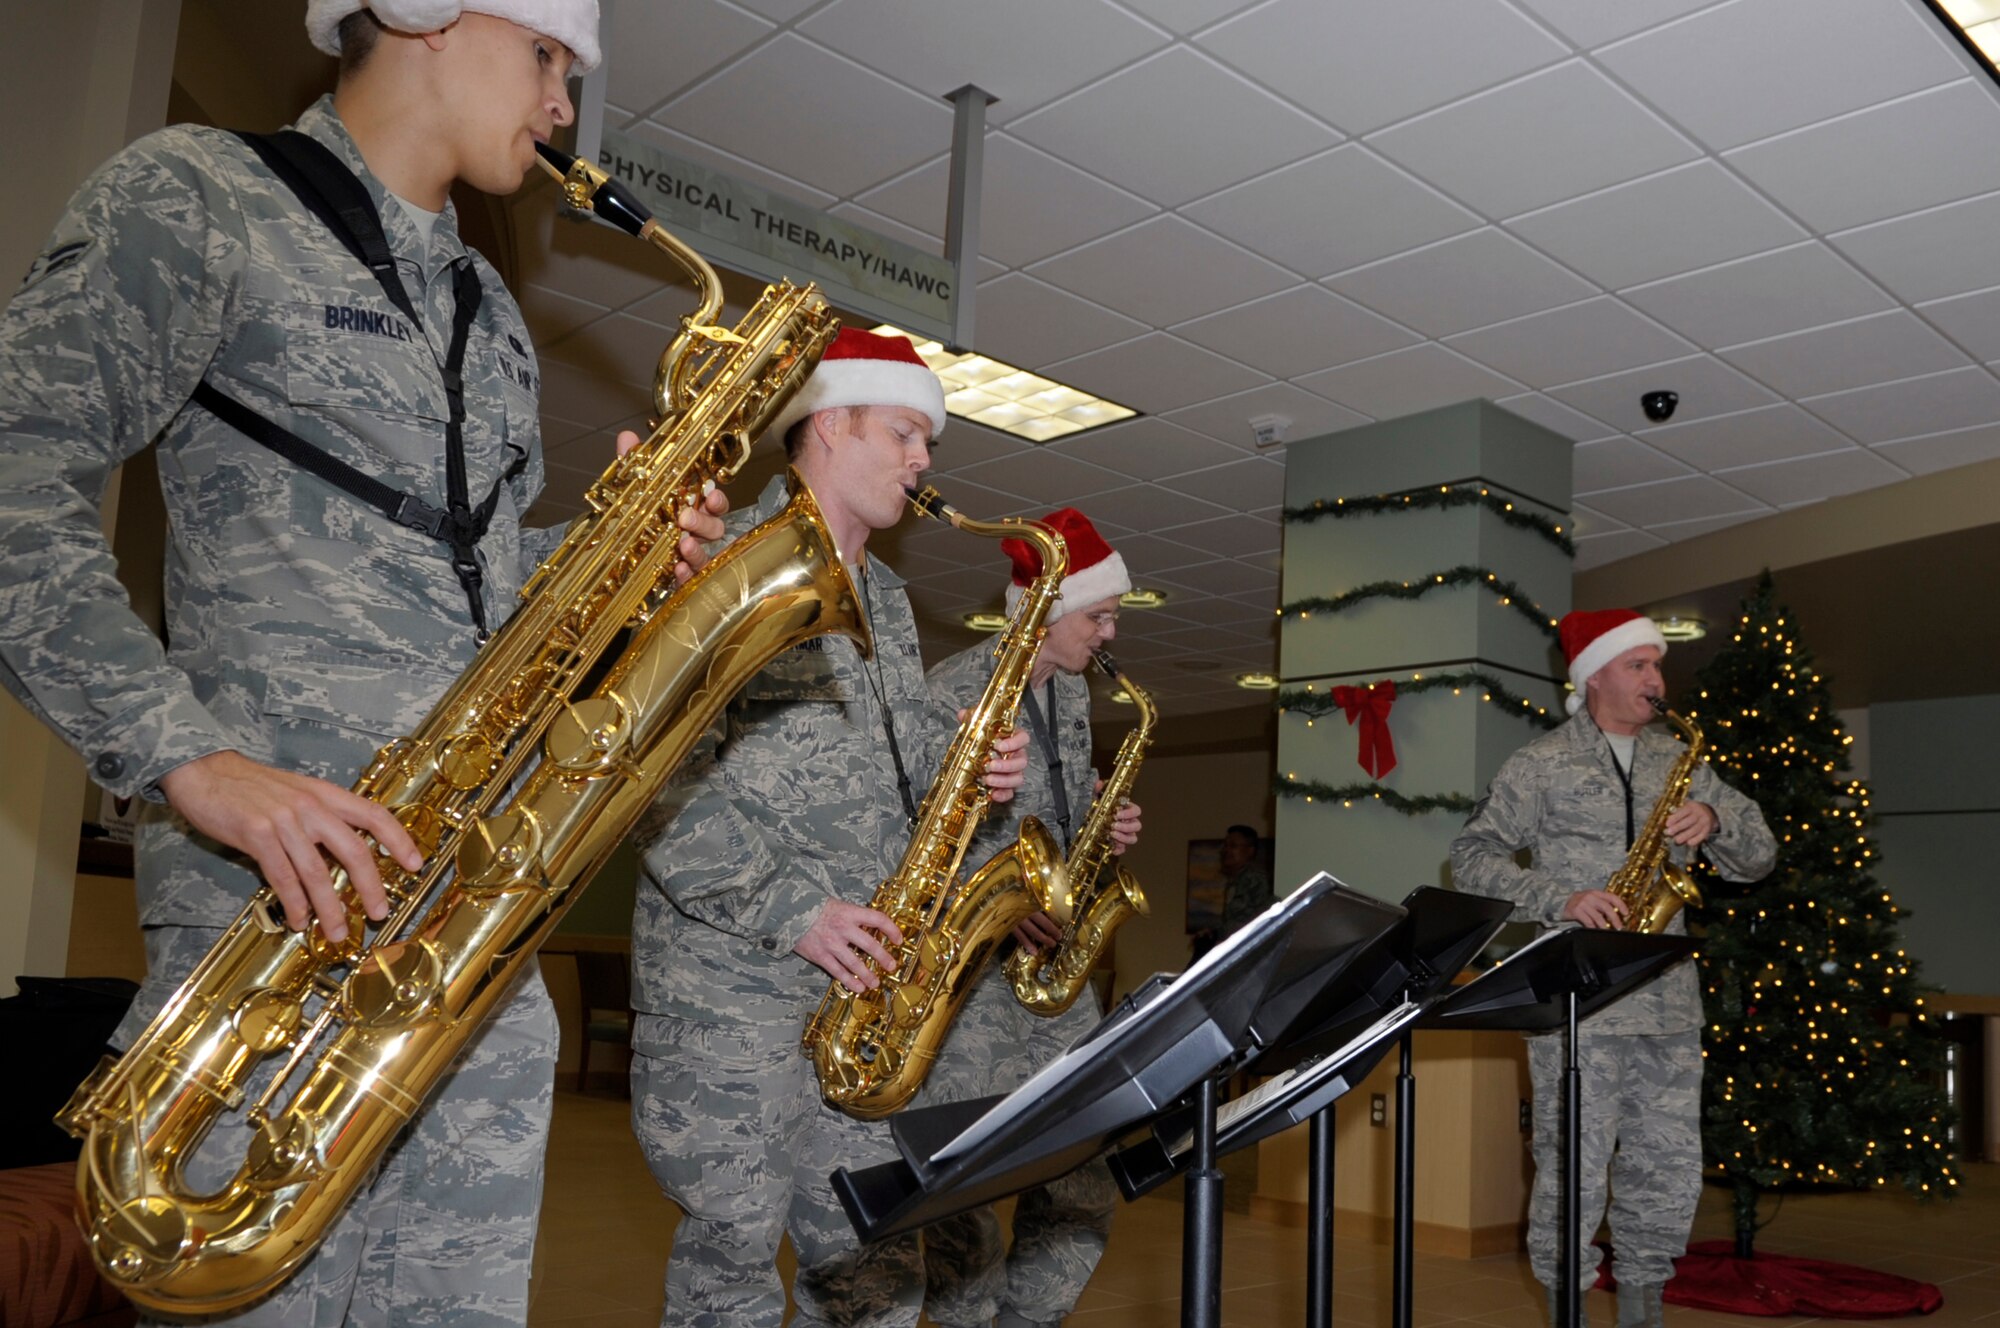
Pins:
x: 1823, y: 1068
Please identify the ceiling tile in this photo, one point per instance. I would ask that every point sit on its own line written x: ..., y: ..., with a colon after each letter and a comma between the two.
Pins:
x: 1332, y: 212
x: 551, y: 314
x: 941, y: 45
x: 1766, y: 296
x: 1589, y: 521
x: 703, y: 154
x: 682, y: 42
x: 736, y: 113
x: 1928, y: 149
x: 1945, y: 251
x: 1164, y: 271
x: 1241, y: 486
x: 1959, y: 399
x: 964, y: 443
x: 1462, y: 283
x: 1689, y: 217
x: 584, y: 261
x: 584, y: 396
x: 1869, y: 350
x: 779, y: 11
x: 1156, y: 373
x: 1810, y: 479
x: 1147, y: 555
x: 1675, y: 531
x: 1173, y: 128
x: 1973, y: 321
x: 1707, y: 387
x: 1592, y: 22
x: 1587, y: 135
x: 1609, y: 548
x: 1146, y: 448
x: 1686, y: 499
x: 1745, y: 71
x: 1185, y: 16
x: 1943, y: 451
x: 1585, y: 340
x: 1228, y: 418
x: 1149, y: 508
x: 1773, y: 433
x: 1229, y: 537
x: 1031, y: 205
x: 1296, y: 331
x: 616, y: 346
x: 916, y: 239
x: 1030, y: 323
x: 1618, y: 463
x: 1552, y: 414
x: 1364, y: 66
x: 1044, y: 478
x: 1407, y: 381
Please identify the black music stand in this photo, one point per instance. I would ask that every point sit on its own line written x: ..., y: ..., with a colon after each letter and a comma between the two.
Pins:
x: 1555, y: 981
x: 1145, y: 1058
x: 1329, y: 1048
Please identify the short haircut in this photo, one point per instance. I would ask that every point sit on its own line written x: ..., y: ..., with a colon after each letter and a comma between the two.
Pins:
x: 795, y: 437
x: 358, y: 33
x: 1244, y: 831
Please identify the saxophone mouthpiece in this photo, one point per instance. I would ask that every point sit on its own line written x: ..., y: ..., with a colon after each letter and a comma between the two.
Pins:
x: 1659, y: 706
x: 1105, y: 662
x: 929, y: 502
x: 588, y: 189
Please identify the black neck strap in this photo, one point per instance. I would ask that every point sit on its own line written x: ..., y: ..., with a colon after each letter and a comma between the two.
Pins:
x: 903, y: 787
x: 1045, y: 732
x: 1625, y: 778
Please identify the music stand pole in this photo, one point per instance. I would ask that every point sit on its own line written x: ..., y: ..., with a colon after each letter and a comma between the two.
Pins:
x: 1201, y: 1232
x: 1406, y: 1189
x: 1319, y: 1220
x: 1570, y: 1260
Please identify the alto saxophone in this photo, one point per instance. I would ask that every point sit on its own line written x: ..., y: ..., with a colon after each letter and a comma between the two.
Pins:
x: 1652, y: 885
x: 1105, y: 893
x: 873, y: 1049
x: 582, y: 705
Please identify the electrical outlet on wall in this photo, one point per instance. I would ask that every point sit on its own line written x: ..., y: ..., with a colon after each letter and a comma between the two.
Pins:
x: 1378, y: 1111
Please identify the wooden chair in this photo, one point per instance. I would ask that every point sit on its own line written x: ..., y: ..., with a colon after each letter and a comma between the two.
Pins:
x: 604, y: 978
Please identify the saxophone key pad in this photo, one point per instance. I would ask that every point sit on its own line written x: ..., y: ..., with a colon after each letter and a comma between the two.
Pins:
x: 398, y: 984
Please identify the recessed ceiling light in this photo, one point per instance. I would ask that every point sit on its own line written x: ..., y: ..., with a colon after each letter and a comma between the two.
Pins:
x: 1977, y: 24
x: 1122, y: 697
x: 985, y: 622
x: 1257, y: 682
x: 1012, y: 400
x: 1143, y: 597
x: 1681, y: 629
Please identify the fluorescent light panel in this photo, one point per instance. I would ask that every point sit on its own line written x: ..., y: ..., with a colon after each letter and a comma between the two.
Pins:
x: 998, y: 395
x: 1979, y: 20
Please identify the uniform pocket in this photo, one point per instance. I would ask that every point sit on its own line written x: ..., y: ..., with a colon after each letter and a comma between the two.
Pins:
x: 328, y: 715
x: 359, y: 357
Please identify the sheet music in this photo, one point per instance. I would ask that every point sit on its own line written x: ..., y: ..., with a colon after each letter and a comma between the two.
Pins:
x: 1030, y: 1094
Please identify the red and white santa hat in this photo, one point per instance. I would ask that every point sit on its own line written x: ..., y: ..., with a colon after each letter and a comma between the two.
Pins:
x: 1096, y: 572
x: 867, y: 369
x: 571, y: 22
x: 1591, y: 639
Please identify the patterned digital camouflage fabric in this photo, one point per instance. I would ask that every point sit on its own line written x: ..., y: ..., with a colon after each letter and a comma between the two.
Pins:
x: 306, y: 629
x: 790, y: 802
x: 995, y: 1045
x: 1562, y: 799
x: 1244, y: 896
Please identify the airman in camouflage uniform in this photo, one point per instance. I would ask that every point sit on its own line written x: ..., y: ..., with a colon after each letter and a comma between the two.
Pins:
x: 758, y: 865
x: 305, y: 630
x: 1567, y: 799
x: 996, y: 1045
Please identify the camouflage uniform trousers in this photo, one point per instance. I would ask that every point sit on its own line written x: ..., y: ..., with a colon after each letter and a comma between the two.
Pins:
x: 1642, y: 1127
x: 735, y: 1132
x: 444, y: 1233
x: 1060, y: 1229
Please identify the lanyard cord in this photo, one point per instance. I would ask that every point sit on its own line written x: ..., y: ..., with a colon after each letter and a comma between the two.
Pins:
x: 1630, y: 832
x: 882, y: 700
x: 1052, y: 755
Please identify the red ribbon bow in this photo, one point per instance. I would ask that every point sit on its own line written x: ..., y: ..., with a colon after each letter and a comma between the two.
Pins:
x: 1368, y: 709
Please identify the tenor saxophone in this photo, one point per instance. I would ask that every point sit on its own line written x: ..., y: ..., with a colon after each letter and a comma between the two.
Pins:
x: 873, y: 1049
x: 574, y: 714
x: 1652, y: 884
x: 1103, y: 891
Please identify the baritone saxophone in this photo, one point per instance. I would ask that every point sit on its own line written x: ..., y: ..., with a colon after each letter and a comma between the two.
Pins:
x: 1104, y: 892
x: 518, y: 785
x: 873, y: 1049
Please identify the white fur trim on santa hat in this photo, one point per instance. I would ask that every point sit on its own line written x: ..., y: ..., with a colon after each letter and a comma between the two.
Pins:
x: 1628, y: 635
x: 1099, y: 581
x: 571, y: 22
x: 860, y: 382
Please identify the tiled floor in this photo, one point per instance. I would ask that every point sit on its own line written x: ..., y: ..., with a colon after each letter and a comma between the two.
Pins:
x: 606, y: 1232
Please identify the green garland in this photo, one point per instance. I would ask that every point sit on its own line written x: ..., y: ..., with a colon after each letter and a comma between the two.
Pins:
x: 1508, y: 592
x: 1443, y: 496
x: 1314, y: 704
x: 1287, y: 786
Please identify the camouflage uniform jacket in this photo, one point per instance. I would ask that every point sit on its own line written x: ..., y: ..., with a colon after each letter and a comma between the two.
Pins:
x: 958, y: 683
x: 788, y: 802
x: 304, y: 627
x: 1561, y: 798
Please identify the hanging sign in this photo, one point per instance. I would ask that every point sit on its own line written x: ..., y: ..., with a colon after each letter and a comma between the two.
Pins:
x: 752, y: 230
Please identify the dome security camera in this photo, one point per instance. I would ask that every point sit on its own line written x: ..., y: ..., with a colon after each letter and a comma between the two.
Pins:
x: 1659, y: 406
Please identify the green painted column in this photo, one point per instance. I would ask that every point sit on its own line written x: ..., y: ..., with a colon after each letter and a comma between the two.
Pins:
x: 1445, y: 743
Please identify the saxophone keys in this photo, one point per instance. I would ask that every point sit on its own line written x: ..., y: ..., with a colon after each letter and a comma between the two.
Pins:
x: 588, y: 737
x: 152, y: 1235
x: 398, y: 984
x: 267, y: 1019
x: 501, y: 851
x: 466, y: 760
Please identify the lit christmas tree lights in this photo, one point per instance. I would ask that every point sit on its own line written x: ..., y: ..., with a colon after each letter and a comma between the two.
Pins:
x: 1823, y: 1067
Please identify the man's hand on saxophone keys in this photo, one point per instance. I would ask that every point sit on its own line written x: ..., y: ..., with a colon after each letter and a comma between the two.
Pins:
x: 1692, y: 823
x: 844, y: 937
x: 700, y: 526
x: 1596, y: 908
x: 1037, y: 932
x: 1007, y: 768
x: 1125, y: 825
